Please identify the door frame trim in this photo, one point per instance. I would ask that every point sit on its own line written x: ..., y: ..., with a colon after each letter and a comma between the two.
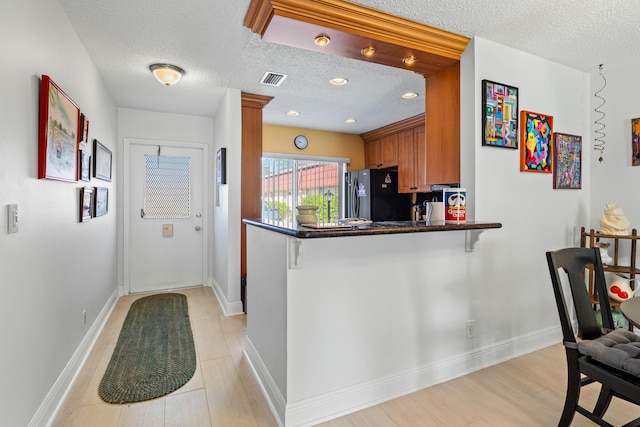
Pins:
x: 128, y: 142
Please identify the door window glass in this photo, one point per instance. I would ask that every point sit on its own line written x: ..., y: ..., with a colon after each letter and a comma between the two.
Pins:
x: 167, y: 187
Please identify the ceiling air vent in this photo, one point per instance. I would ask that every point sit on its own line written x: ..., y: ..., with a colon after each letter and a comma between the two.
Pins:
x: 273, y: 79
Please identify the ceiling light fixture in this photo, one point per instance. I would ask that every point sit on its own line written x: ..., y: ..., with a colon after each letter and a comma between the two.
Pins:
x: 322, y: 40
x: 368, y: 51
x: 292, y: 113
x: 350, y: 121
x: 409, y: 95
x: 410, y: 60
x: 338, y: 81
x: 167, y: 74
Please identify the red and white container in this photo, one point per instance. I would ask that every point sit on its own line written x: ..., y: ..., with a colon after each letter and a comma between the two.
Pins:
x: 455, y: 204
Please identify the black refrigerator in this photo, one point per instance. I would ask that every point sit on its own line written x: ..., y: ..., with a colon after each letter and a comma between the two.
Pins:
x: 373, y: 194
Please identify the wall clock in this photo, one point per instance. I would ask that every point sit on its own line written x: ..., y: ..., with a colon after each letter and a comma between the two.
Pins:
x: 300, y: 142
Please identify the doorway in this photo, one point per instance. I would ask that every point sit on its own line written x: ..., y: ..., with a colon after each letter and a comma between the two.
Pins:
x: 165, y: 225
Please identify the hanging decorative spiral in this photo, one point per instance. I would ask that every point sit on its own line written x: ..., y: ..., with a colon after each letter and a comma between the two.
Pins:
x: 599, y: 141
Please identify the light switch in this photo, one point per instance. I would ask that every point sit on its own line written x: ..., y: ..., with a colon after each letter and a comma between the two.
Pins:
x: 167, y: 230
x: 12, y: 219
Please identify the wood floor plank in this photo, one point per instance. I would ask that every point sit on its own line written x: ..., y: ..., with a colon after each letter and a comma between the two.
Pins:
x: 143, y: 414
x: 188, y: 409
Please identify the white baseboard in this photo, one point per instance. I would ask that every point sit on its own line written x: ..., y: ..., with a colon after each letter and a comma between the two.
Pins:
x: 274, y: 397
x: 228, y: 308
x: 52, y: 403
x: 337, y: 403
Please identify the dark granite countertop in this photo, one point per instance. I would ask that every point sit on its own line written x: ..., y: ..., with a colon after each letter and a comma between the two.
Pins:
x: 374, y: 228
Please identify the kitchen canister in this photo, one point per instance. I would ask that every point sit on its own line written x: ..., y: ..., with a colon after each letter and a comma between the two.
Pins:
x: 455, y: 204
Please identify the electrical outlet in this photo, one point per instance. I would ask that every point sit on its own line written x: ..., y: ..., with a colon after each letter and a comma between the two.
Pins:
x: 471, y: 328
x: 84, y: 317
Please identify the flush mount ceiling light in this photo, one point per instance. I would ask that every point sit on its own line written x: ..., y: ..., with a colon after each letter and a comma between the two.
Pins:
x: 292, y: 113
x: 409, y: 95
x: 350, y: 121
x: 167, y: 74
x: 409, y: 60
x: 322, y: 40
x: 338, y: 81
x: 368, y: 51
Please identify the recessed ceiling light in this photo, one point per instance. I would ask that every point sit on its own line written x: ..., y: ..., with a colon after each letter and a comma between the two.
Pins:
x: 368, y: 51
x: 409, y: 95
x: 292, y: 113
x: 410, y: 60
x: 338, y: 81
x: 350, y: 121
x: 322, y: 40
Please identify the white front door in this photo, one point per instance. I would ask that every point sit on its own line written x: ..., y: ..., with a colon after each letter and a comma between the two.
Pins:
x: 165, y: 216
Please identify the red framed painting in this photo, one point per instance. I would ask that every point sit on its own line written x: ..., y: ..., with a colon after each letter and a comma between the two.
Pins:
x: 58, y: 133
x: 536, y: 142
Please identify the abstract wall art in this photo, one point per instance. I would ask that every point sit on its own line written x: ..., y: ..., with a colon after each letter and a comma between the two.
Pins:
x: 635, y: 142
x: 536, y: 142
x: 500, y: 115
x: 567, y: 161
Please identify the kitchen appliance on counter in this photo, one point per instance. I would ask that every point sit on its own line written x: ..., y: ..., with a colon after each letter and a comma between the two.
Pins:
x: 373, y: 194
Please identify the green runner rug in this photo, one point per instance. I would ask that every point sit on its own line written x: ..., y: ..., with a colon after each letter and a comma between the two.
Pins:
x: 154, y: 355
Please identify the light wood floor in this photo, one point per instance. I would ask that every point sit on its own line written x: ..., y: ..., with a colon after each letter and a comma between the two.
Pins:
x: 525, y: 391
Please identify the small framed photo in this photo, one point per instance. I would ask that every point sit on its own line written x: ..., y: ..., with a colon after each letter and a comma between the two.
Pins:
x: 84, y: 130
x: 85, y: 165
x: 567, y: 161
x: 101, y: 205
x: 102, y: 158
x: 86, y: 204
x: 500, y: 115
x: 57, y: 133
x: 221, y: 166
x: 536, y: 142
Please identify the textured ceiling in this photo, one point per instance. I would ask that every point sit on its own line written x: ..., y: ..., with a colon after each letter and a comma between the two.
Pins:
x: 208, y: 40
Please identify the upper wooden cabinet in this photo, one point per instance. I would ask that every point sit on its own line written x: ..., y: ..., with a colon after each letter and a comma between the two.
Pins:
x: 412, y: 161
x: 382, y: 153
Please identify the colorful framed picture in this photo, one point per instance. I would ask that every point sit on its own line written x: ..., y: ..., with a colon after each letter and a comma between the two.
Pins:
x: 536, y: 142
x: 500, y: 115
x: 85, y: 165
x: 57, y: 134
x: 101, y: 205
x: 567, y: 161
x: 86, y: 203
x: 102, y: 158
x: 221, y: 166
x: 635, y: 142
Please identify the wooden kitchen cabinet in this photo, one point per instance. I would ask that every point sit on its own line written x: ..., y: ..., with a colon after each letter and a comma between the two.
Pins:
x: 382, y: 153
x: 412, y: 161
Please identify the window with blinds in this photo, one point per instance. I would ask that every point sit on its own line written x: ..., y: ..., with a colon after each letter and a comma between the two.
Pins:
x: 289, y: 182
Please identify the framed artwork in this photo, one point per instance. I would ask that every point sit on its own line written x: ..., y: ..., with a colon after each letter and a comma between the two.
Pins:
x: 101, y: 205
x: 567, y: 161
x: 221, y: 166
x: 536, y: 138
x: 57, y: 134
x: 635, y: 142
x: 101, y: 161
x: 85, y: 165
x: 84, y: 129
x: 500, y: 115
x: 86, y: 204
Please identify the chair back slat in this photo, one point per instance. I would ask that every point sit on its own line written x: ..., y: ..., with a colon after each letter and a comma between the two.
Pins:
x: 574, y: 261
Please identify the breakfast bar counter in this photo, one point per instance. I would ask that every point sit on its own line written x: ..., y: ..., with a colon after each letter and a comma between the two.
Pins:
x: 344, y: 318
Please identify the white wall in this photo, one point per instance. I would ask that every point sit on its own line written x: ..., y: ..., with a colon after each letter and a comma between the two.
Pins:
x: 226, y: 217
x: 615, y: 180
x: 54, y: 267
x: 511, y: 294
x: 165, y: 127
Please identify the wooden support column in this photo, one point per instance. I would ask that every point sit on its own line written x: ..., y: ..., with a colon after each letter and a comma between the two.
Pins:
x: 251, y: 175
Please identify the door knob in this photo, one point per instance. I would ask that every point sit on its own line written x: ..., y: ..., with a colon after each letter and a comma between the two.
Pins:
x: 198, y: 228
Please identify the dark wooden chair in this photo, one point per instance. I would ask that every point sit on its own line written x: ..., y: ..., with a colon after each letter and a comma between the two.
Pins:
x: 605, y: 355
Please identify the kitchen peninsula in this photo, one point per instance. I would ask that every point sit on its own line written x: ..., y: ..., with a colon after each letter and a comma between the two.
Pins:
x: 341, y: 319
